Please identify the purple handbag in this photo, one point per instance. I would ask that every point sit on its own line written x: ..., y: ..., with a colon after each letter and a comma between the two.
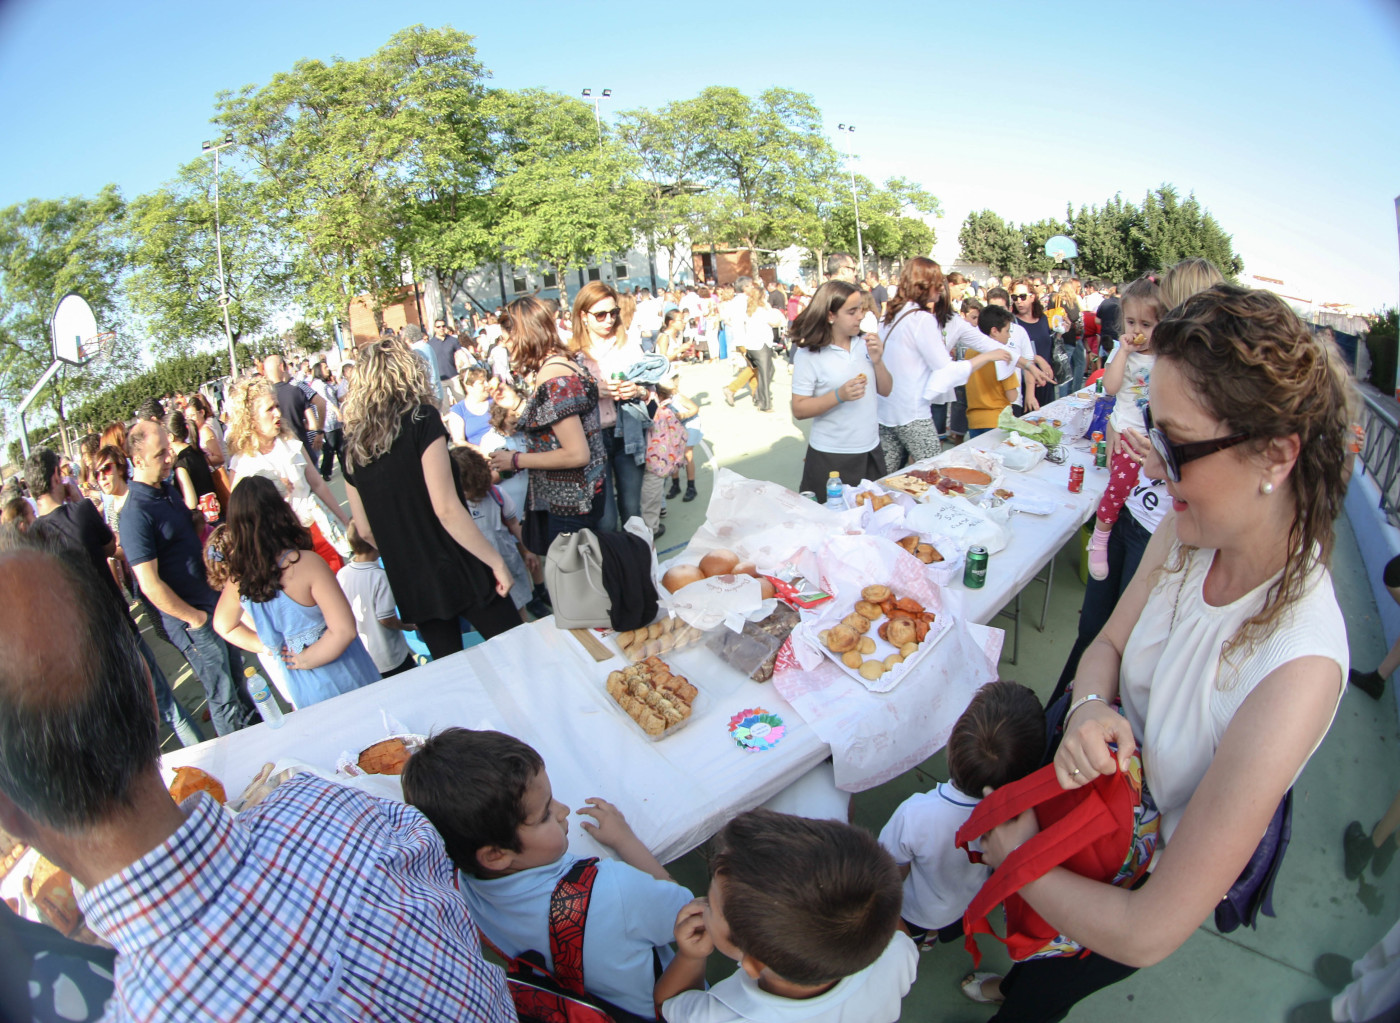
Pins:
x: 1253, y: 892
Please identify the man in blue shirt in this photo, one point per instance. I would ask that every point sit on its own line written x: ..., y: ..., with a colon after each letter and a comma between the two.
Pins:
x: 160, y: 542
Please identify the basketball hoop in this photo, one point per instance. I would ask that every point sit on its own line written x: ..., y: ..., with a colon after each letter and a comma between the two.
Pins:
x: 97, y: 349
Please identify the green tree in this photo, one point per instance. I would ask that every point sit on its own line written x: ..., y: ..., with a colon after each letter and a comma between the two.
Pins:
x: 890, y: 218
x: 1035, y: 236
x: 174, y: 283
x: 340, y: 148
x: 765, y: 161
x: 1101, y: 234
x: 49, y: 247
x: 564, y: 195
x: 986, y: 238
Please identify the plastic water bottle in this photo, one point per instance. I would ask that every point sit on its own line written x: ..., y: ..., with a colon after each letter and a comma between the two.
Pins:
x: 834, y: 499
x: 261, y: 693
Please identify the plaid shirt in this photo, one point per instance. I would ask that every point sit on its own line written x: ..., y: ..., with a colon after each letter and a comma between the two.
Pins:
x: 321, y: 903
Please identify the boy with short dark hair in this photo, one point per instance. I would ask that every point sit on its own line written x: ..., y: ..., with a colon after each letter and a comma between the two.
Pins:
x: 490, y: 798
x: 986, y: 395
x: 998, y: 739
x: 810, y: 910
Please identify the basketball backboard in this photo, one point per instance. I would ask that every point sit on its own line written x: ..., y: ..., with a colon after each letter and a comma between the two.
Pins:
x: 73, y: 326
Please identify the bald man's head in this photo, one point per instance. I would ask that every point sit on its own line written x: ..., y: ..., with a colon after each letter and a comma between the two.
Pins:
x: 77, y: 714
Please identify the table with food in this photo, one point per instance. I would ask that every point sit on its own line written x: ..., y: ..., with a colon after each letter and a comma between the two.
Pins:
x: 787, y: 633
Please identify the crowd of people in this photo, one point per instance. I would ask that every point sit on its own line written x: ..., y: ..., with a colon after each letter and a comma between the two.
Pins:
x: 1211, y: 659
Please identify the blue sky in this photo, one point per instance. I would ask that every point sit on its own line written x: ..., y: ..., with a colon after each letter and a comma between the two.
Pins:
x: 1280, y: 116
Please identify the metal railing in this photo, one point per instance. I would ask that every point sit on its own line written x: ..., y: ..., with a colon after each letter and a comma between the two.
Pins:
x: 1381, y: 451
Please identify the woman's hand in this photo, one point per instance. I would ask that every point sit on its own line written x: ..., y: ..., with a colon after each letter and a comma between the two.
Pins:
x: 1007, y: 836
x: 622, y: 390
x: 853, y: 389
x: 503, y: 579
x: 1085, y: 751
x: 290, y: 658
x: 501, y: 460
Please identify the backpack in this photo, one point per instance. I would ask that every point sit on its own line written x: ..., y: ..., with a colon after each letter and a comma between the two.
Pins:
x: 1105, y: 831
x: 544, y: 997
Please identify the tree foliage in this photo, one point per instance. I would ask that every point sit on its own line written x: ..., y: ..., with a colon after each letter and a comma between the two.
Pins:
x: 1117, y: 242
x: 174, y: 282
x: 49, y: 247
x: 342, y: 147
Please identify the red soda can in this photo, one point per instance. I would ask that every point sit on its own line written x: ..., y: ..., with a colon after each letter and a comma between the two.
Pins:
x: 1076, y: 479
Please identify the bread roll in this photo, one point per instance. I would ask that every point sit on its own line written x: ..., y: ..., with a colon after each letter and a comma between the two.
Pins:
x: 719, y: 562
x: 680, y: 576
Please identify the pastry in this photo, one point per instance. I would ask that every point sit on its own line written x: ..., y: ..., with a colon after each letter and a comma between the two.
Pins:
x: 189, y: 780
x: 866, y: 609
x: 386, y: 757
x: 901, y: 631
x: 866, y: 645
x: 892, y: 660
x: 51, y: 890
x: 875, y: 594
x: 824, y: 635
x: 872, y: 670
x: 852, y: 659
x: 650, y: 694
x: 909, y: 542
x: 908, y: 649
x: 860, y: 623
x: 909, y: 604
x: 843, y: 638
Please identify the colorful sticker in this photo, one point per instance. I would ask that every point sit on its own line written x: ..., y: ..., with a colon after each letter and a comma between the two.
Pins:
x: 756, y: 729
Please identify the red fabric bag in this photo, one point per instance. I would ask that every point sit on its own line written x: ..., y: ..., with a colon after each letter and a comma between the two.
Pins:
x: 1091, y: 831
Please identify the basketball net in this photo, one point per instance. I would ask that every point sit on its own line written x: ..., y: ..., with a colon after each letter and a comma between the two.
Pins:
x: 96, y: 349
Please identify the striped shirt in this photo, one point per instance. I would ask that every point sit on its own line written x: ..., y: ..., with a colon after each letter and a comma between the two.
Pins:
x: 321, y: 903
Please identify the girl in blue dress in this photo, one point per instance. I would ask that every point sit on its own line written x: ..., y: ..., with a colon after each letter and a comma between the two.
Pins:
x: 282, y: 598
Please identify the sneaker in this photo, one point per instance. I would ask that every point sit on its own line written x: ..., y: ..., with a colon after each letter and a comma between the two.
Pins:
x: 690, y: 493
x: 675, y: 490
x: 660, y: 531
x: 538, y: 609
x: 728, y: 396
x: 1333, y: 970
x: 1369, y: 682
x: 1098, y: 554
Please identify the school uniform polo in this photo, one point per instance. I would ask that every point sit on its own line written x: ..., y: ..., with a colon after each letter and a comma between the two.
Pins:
x: 630, y: 915
x: 851, y: 427
x: 942, y: 880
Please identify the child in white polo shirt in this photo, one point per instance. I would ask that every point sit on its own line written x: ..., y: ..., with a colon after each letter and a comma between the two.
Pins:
x: 832, y: 372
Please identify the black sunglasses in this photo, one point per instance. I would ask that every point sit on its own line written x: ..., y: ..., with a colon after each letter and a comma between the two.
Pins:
x: 1022, y: 294
x: 1174, y: 456
x: 606, y: 314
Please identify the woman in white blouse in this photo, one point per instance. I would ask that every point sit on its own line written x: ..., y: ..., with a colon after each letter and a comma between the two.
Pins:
x: 919, y: 364
x: 1228, y: 649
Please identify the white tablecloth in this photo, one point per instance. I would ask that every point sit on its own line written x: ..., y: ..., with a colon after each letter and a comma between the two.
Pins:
x: 1034, y: 538
x: 537, y: 683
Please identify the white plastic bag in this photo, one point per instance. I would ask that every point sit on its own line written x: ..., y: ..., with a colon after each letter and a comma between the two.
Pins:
x: 965, y: 523
x: 1018, y: 453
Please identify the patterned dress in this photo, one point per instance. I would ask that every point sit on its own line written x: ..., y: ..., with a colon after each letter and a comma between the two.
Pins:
x: 564, y: 491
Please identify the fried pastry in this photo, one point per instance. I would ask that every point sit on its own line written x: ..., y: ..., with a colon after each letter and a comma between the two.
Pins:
x: 866, y: 609
x: 852, y: 659
x: 858, y: 622
x: 875, y: 594
x: 650, y: 694
x: 843, y: 638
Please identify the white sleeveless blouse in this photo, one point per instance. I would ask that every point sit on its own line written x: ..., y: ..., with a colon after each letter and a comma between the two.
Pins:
x: 1178, y: 694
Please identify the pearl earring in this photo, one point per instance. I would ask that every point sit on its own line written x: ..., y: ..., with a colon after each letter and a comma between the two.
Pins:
x: 1267, y: 487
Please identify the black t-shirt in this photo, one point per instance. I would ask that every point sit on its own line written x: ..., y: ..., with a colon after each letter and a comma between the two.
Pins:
x: 1110, y: 314
x: 777, y: 299
x: 444, y: 351
x: 81, y: 526
x: 881, y: 295
x: 293, y: 402
x: 432, y: 576
x: 193, y: 461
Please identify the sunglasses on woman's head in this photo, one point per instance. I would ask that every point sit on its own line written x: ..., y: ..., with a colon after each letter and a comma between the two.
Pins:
x: 602, y: 316
x: 1174, y: 456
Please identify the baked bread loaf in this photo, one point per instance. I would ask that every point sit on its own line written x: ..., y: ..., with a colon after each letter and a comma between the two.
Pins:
x: 386, y: 757
x: 50, y: 888
x: 189, y: 780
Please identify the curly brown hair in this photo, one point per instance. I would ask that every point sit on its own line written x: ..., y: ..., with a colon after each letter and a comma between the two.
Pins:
x: 473, y: 473
x: 1258, y: 369
x: 262, y: 527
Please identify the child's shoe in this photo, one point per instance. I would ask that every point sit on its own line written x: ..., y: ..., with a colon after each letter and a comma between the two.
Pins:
x: 1098, y: 554
x: 675, y: 490
x: 1369, y: 682
x: 690, y: 493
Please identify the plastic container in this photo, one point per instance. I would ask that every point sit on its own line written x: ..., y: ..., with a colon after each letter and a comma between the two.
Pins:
x: 835, y: 500
x: 697, y: 707
x: 262, y: 696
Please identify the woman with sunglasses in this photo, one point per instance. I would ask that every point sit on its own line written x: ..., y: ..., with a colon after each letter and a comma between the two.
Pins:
x: 1228, y: 650
x: 1026, y: 307
x: 600, y: 341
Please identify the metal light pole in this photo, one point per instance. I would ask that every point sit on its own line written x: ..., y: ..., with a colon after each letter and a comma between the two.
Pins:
x: 219, y: 246
x: 597, y: 117
x: 847, y: 130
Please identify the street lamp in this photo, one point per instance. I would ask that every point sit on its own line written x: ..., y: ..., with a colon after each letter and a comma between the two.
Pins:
x: 597, y: 117
x: 847, y: 130
x: 215, y: 146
